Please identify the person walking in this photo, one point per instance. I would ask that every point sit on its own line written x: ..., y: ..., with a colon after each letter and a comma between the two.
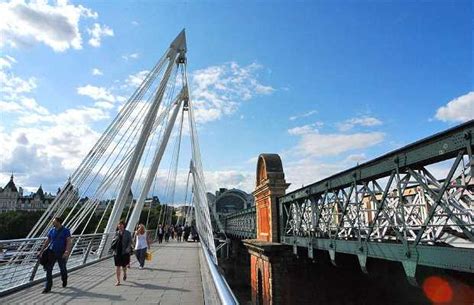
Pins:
x: 161, y: 232
x: 172, y: 232
x: 179, y: 233
x: 59, y: 243
x: 194, y: 234
x: 187, y: 231
x: 142, y: 244
x: 167, y: 233
x: 121, y: 246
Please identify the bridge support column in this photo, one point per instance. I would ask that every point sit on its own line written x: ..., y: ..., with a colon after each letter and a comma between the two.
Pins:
x: 268, y: 258
x: 269, y: 266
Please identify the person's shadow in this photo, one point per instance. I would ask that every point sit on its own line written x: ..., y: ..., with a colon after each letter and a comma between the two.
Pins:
x: 155, y: 287
x: 76, y: 293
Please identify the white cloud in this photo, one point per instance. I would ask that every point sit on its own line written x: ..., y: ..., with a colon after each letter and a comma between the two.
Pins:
x: 131, y: 56
x: 10, y: 107
x: 307, y: 171
x: 6, y: 62
x: 14, y: 91
x: 300, y: 130
x: 56, y: 25
x: 81, y: 116
x: 322, y: 161
x: 252, y: 161
x: 96, y: 93
x: 230, y: 179
x: 362, y: 121
x: 53, y: 151
x: 305, y: 129
x: 120, y: 98
x: 96, y: 71
x: 459, y: 109
x: 357, y: 158
x: 317, y: 156
x: 217, y: 91
x: 104, y: 105
x: 303, y: 115
x: 12, y: 86
x: 317, y: 145
x: 135, y: 80
x: 53, y: 143
x: 135, y: 23
x: 31, y: 104
x: 97, y: 32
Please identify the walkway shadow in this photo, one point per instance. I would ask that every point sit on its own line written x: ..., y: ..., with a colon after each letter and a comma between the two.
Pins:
x: 165, y: 270
x: 77, y: 293
x: 183, y: 247
x: 156, y: 287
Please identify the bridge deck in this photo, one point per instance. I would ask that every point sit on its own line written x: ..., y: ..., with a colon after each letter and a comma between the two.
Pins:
x: 172, y: 277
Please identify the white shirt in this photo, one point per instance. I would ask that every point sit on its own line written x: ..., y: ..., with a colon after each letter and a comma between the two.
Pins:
x: 141, y: 242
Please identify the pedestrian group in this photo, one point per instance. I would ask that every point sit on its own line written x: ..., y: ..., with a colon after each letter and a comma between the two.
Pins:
x: 57, y: 248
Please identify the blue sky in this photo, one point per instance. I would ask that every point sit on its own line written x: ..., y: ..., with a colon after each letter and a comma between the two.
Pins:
x: 326, y: 84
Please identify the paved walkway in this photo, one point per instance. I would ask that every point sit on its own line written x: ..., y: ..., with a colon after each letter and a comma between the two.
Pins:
x: 172, y: 277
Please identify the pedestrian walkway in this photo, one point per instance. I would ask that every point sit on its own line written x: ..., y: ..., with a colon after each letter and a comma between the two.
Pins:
x: 172, y: 277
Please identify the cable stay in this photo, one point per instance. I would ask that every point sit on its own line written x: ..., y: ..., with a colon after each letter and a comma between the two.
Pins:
x: 127, y: 157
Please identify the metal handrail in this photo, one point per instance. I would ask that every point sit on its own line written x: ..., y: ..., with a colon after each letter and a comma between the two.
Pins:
x: 225, y: 294
x: 19, y: 265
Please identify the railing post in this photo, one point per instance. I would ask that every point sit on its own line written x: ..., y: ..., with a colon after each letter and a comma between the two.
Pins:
x: 34, y: 270
x: 88, y: 250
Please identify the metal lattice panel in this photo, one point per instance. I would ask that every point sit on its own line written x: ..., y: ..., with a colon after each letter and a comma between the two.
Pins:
x: 241, y: 224
x: 393, y: 207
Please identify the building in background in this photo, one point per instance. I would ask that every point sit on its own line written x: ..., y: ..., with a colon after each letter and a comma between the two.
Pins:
x: 226, y: 202
x: 12, y: 198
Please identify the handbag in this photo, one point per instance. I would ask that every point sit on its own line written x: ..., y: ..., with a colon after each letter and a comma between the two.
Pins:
x: 113, y: 245
x: 48, y: 255
x: 148, y: 256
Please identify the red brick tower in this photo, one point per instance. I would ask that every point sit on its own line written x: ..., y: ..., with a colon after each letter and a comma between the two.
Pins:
x: 267, y: 257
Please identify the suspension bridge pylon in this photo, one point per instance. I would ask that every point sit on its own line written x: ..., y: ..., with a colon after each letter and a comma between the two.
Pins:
x: 128, y: 154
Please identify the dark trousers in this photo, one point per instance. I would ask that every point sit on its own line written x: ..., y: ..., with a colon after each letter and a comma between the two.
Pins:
x: 140, y: 254
x: 62, y: 268
x: 160, y: 238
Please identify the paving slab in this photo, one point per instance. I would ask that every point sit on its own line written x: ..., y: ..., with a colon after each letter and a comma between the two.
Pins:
x: 172, y: 277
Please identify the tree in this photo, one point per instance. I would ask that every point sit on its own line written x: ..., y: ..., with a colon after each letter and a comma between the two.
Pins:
x: 17, y: 224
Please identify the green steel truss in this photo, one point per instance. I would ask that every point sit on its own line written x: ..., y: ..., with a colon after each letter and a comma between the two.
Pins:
x: 396, y: 207
x: 241, y: 224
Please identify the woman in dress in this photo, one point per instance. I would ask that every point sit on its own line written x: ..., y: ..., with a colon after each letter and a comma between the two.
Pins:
x: 142, y: 244
x: 121, y: 246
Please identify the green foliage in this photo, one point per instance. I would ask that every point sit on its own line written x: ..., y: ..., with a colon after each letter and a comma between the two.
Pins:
x: 17, y: 224
x: 154, y: 216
